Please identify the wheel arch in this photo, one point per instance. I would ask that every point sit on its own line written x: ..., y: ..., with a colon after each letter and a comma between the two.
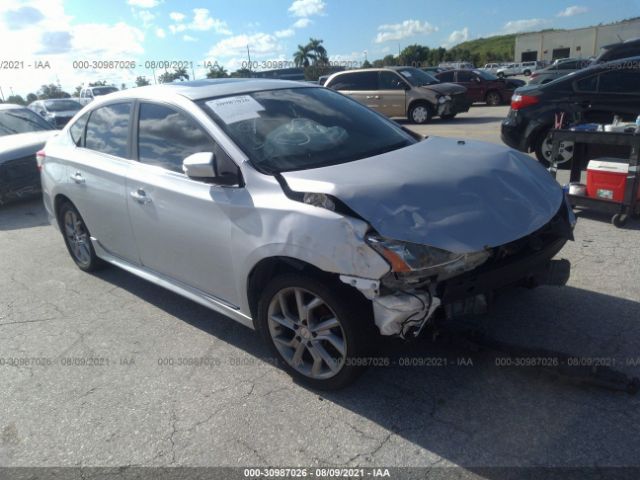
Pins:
x: 58, y: 201
x: 270, y: 267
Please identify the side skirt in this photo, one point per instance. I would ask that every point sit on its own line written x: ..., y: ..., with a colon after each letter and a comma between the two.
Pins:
x: 186, y: 291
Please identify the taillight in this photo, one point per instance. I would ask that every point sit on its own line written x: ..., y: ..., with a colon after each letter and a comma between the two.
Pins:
x: 522, y: 101
x: 40, y: 155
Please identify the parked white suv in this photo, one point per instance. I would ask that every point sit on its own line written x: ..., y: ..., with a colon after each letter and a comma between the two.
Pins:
x: 299, y: 212
x: 89, y: 93
x: 524, y: 68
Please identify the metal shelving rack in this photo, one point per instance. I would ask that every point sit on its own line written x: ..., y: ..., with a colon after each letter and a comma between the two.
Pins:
x: 620, y: 210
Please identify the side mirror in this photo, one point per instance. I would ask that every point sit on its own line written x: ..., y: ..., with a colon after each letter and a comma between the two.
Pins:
x: 215, y: 167
x: 199, y: 165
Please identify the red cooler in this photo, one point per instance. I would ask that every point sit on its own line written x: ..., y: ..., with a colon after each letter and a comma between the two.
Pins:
x: 606, y: 179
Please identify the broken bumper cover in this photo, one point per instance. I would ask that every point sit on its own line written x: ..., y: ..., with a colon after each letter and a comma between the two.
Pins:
x: 402, y: 309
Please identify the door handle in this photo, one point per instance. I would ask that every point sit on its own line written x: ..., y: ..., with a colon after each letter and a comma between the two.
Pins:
x: 140, y: 196
x: 376, y: 97
x: 77, y: 177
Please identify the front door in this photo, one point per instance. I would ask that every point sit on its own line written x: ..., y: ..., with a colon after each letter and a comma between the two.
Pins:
x: 391, y: 94
x: 473, y: 84
x: 181, y: 226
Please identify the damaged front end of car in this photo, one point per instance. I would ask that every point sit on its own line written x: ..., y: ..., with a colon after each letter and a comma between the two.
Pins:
x: 425, y: 282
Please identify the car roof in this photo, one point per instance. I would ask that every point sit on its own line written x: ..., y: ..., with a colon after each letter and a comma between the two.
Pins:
x: 201, y: 89
x: 9, y: 106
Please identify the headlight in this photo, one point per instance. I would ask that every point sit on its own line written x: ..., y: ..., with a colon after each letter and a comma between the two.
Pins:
x: 444, y: 99
x: 319, y: 200
x: 405, y: 257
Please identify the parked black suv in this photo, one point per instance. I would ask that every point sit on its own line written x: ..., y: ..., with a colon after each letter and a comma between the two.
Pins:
x: 591, y: 95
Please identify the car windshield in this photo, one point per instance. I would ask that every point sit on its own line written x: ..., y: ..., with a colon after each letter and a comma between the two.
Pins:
x: 61, y: 105
x: 485, y: 75
x: 97, y: 91
x: 417, y: 77
x: 302, y: 128
x: 21, y: 120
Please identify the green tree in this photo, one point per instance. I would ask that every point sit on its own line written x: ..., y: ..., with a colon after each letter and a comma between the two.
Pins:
x: 180, y: 74
x: 415, y: 55
x: 17, y: 99
x: 51, y: 91
x: 317, y: 51
x: 217, y: 71
x: 366, y: 64
x: 241, y: 73
x: 31, y: 97
x: 142, y: 81
x: 303, y: 56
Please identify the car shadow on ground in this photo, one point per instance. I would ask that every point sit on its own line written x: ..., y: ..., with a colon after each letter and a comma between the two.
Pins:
x: 463, y: 404
x: 23, y: 214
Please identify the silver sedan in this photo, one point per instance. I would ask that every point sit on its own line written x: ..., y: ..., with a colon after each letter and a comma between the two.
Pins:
x: 300, y: 213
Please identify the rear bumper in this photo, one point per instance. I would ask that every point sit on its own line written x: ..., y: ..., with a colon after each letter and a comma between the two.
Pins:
x: 513, y: 135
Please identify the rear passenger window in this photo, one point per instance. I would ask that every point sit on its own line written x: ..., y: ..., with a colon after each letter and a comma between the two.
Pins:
x: 356, y: 81
x: 465, y: 76
x: 108, y: 129
x: 620, y: 81
x: 166, y: 137
x: 77, y: 130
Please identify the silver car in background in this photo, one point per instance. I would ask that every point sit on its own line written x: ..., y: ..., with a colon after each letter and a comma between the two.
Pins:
x: 56, y: 111
x: 299, y: 212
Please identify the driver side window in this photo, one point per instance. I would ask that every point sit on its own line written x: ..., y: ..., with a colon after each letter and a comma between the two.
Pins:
x: 390, y: 81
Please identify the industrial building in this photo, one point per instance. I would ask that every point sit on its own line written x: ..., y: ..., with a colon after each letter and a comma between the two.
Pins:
x: 549, y: 45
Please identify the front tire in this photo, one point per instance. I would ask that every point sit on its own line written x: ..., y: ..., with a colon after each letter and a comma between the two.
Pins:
x: 317, y: 332
x: 420, y: 113
x: 77, y: 238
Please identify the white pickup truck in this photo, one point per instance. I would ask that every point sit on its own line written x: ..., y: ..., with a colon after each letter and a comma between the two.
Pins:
x: 89, y: 93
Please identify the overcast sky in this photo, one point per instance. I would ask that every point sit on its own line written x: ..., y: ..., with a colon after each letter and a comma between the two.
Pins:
x: 61, y: 31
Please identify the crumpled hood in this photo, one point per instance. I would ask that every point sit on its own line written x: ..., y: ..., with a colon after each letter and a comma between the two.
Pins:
x: 446, y: 88
x: 458, y: 197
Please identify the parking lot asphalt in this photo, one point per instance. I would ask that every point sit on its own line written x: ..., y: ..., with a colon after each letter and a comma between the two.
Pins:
x: 98, y: 381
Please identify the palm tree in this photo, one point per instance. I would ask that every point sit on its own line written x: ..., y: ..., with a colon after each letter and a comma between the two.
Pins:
x: 303, y: 56
x: 319, y: 53
x: 181, y: 74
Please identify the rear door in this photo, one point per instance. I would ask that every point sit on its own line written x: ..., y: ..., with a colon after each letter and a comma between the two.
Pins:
x: 98, y: 172
x: 392, y: 92
x: 181, y: 226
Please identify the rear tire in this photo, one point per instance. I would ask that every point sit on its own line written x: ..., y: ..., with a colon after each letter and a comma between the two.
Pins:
x: 318, y: 332
x: 500, y: 74
x: 527, y: 73
x: 542, y: 149
x: 493, y: 98
x: 77, y: 238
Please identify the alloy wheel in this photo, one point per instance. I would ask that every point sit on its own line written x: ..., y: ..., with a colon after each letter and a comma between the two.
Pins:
x: 565, y: 150
x: 420, y: 114
x: 77, y: 237
x: 307, y: 333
